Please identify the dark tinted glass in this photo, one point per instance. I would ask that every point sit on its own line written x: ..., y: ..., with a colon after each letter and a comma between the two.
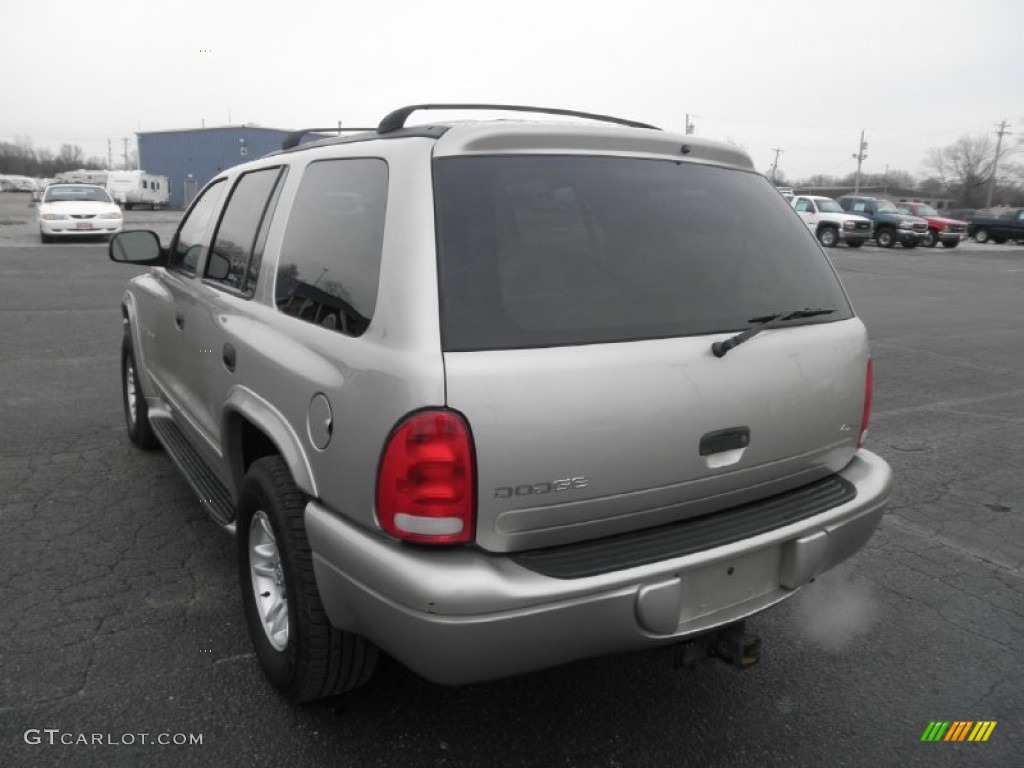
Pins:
x: 188, y: 243
x: 244, y: 216
x: 330, y: 257
x: 547, y: 251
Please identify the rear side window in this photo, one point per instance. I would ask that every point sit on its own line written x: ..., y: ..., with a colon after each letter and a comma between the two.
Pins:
x: 549, y: 251
x: 330, y: 257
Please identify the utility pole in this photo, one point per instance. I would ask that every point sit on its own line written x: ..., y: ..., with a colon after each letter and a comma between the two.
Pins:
x: 110, y: 154
x: 125, y: 140
x: 995, y: 162
x: 775, y: 165
x: 689, y: 125
x: 860, y: 157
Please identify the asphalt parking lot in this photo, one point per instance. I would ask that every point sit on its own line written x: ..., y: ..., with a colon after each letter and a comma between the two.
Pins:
x: 121, y: 614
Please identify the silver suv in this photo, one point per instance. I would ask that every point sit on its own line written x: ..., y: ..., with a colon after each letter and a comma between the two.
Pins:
x: 493, y: 396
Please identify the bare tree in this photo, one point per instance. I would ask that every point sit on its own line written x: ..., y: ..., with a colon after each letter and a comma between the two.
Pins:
x: 821, y: 180
x: 965, y: 167
x: 70, y: 156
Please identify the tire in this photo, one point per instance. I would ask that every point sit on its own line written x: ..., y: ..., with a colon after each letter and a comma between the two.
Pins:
x: 950, y: 243
x: 885, y: 238
x: 855, y: 243
x: 933, y: 238
x: 43, y: 237
x: 136, y: 412
x: 828, y: 237
x: 981, y: 235
x: 302, y: 655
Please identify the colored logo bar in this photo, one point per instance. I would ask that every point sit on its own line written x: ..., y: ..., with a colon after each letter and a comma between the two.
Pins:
x: 958, y: 730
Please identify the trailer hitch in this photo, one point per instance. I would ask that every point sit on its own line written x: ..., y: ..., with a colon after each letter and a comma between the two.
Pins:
x: 730, y: 644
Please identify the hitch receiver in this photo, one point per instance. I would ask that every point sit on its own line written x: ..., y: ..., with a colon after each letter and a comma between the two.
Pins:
x: 734, y: 646
x: 730, y: 644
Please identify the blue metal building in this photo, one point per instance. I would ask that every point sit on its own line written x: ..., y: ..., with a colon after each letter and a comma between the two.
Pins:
x: 190, y: 158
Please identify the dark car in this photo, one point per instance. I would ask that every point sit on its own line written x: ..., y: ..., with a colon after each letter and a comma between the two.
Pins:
x: 891, y: 226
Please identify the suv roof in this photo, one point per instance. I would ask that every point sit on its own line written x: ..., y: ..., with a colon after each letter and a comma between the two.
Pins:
x: 395, y: 120
x: 606, y: 135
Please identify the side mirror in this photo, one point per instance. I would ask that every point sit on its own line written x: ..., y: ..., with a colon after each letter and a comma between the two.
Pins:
x: 140, y: 247
x: 218, y: 268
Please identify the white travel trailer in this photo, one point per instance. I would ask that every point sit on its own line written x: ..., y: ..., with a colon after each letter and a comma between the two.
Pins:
x: 83, y: 176
x: 132, y: 188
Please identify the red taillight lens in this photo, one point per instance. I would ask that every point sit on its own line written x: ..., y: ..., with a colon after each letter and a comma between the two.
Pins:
x: 426, y: 480
x: 869, y: 386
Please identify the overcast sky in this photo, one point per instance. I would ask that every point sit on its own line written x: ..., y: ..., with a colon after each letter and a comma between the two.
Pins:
x: 805, y: 77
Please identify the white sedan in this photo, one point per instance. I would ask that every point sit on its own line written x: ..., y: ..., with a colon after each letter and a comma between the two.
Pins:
x: 77, y: 209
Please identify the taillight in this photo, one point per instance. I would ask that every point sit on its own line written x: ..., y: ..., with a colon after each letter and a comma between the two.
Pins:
x: 869, y: 386
x: 426, y: 480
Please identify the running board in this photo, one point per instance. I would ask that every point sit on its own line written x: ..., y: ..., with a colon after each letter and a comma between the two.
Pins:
x: 213, y: 494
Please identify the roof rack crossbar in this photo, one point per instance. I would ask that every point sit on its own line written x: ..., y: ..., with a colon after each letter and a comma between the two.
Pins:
x: 293, y: 138
x: 394, y: 121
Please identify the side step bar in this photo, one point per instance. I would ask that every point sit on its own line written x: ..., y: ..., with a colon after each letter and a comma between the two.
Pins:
x: 213, y: 494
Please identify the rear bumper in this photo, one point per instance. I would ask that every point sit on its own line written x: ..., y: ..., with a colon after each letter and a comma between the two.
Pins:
x: 461, y: 615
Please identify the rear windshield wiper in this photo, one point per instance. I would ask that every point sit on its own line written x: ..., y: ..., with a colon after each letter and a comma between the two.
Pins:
x: 719, y: 348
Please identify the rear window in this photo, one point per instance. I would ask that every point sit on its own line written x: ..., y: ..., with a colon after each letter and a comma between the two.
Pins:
x: 548, y: 251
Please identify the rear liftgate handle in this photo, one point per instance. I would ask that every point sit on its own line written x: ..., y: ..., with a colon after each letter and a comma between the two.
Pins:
x: 724, y: 447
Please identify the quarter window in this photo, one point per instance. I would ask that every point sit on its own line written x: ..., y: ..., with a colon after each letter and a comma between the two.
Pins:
x: 188, y: 243
x: 330, y: 256
x: 246, y: 217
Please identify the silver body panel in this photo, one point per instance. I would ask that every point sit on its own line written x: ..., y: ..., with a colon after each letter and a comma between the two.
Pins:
x: 629, y: 417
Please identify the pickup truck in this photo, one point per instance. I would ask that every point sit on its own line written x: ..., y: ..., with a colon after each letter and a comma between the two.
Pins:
x: 830, y: 223
x: 1008, y: 225
x: 891, y: 226
x: 941, y: 229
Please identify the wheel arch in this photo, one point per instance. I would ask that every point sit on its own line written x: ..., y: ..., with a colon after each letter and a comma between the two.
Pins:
x: 253, y: 429
x: 130, y: 325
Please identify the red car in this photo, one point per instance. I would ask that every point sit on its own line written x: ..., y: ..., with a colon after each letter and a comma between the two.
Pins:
x: 949, y: 232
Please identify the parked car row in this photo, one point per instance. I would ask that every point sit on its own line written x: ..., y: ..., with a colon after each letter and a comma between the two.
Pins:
x: 855, y: 219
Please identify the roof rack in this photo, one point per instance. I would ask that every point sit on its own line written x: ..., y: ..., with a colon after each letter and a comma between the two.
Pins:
x: 396, y: 120
x: 293, y: 138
